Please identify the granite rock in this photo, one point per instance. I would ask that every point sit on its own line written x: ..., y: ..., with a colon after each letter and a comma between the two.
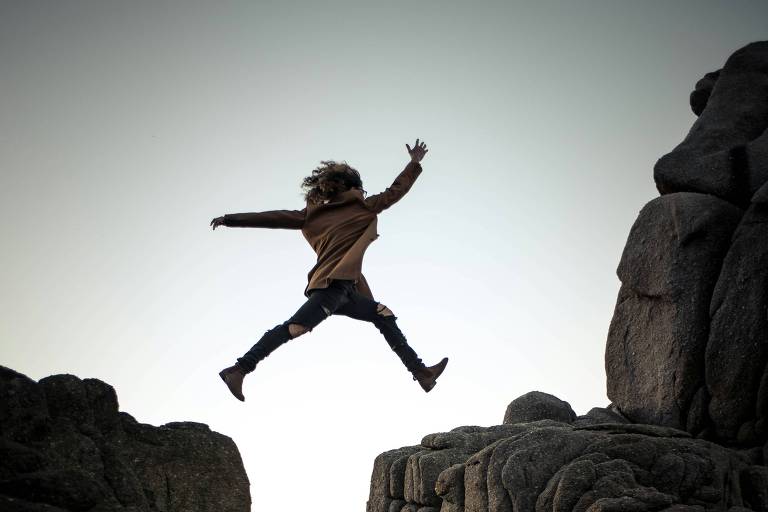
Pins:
x: 737, y: 350
x: 535, y: 406
x: 686, y: 356
x: 65, y: 446
x: 553, y: 466
x: 724, y: 154
x: 654, y: 356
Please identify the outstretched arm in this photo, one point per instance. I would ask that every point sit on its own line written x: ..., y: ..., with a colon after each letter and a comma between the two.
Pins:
x: 402, y: 183
x: 276, y: 219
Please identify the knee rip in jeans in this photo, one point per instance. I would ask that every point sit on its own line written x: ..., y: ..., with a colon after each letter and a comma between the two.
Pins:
x: 383, y: 310
x: 297, y: 330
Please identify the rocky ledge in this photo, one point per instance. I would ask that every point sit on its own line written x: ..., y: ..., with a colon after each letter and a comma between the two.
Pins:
x: 64, y: 446
x: 545, y: 458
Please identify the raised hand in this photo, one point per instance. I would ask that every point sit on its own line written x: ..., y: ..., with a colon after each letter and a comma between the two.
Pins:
x: 418, y: 151
x: 218, y: 221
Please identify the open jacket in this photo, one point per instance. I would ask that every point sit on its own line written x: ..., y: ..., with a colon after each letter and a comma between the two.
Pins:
x: 339, y: 230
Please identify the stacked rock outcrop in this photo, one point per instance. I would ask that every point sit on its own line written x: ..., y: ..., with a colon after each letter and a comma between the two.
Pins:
x: 64, y: 446
x: 687, y: 344
x: 686, y: 356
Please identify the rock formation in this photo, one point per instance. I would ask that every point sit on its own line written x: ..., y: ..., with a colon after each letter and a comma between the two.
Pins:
x: 725, y: 153
x: 64, y: 446
x: 686, y: 356
x: 655, y: 351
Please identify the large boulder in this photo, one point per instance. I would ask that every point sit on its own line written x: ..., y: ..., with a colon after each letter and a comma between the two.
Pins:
x: 737, y: 352
x: 535, y: 406
x: 724, y: 154
x: 64, y: 445
x: 654, y: 357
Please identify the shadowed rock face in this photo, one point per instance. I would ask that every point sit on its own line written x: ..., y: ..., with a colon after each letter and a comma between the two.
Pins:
x: 686, y: 355
x: 65, y: 447
x: 700, y: 95
x: 725, y: 152
x: 737, y: 353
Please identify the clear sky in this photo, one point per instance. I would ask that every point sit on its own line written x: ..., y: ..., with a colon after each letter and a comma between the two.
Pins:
x: 126, y: 126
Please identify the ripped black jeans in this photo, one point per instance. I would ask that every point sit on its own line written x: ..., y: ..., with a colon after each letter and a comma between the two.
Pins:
x: 340, y: 298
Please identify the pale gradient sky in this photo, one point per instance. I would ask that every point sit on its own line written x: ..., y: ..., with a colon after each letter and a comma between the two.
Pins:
x: 126, y: 126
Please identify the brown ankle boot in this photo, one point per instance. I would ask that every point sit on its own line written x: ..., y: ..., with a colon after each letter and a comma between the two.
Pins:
x: 233, y: 378
x: 428, y: 375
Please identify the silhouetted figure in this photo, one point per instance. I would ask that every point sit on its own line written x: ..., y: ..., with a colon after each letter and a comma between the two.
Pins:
x: 339, y: 222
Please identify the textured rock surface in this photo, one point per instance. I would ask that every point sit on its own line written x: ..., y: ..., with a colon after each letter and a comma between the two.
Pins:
x: 598, y: 415
x: 554, y: 466
x: 64, y: 446
x: 737, y: 352
x: 686, y: 356
x: 725, y: 152
x: 536, y: 406
x: 656, y: 341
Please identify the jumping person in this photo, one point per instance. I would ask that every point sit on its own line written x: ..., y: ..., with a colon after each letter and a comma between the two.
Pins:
x: 339, y: 222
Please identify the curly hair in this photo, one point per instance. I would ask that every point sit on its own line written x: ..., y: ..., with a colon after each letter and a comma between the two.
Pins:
x: 329, y: 179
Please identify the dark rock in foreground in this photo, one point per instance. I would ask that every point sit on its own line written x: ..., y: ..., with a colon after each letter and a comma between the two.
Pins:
x: 64, y: 446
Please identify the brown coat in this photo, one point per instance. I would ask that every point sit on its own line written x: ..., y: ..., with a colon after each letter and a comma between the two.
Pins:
x: 339, y: 231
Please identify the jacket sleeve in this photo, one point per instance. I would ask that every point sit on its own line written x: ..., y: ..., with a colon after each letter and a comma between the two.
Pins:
x: 397, y: 190
x: 276, y: 219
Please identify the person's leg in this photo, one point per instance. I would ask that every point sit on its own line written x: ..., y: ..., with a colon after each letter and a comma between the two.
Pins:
x: 320, y: 304
x: 363, y: 308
